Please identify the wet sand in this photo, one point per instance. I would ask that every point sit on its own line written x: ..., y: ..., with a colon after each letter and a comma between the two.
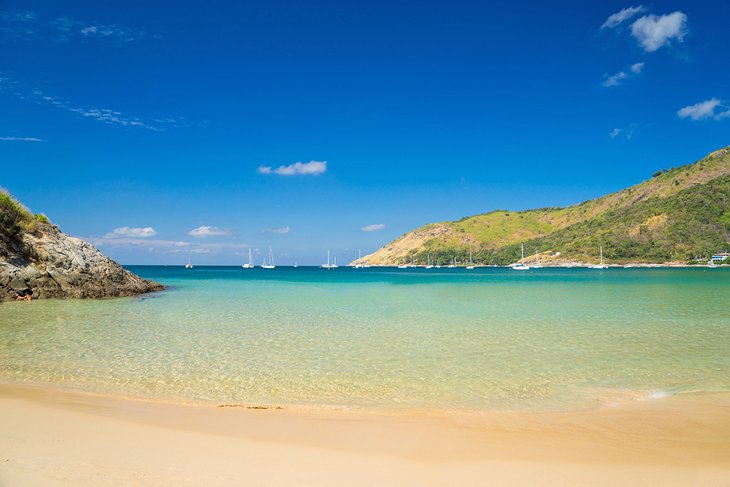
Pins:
x: 50, y: 437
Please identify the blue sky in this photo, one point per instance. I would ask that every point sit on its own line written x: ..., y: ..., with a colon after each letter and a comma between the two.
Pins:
x: 159, y: 130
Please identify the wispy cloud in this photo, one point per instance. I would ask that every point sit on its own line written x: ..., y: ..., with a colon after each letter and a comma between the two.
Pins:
x: 108, y: 116
x: 375, y: 227
x: 627, y: 133
x: 139, y: 232
x: 637, y: 68
x: 18, y: 24
x: 311, y: 168
x: 199, y: 250
x: 655, y: 31
x: 135, y: 242
x: 26, y: 25
x: 68, y: 28
x: 164, y: 246
x: 621, y: 16
x: 22, y: 139
x: 279, y: 230
x: 617, y: 78
x: 614, y: 79
x: 713, y: 109
x: 208, y: 231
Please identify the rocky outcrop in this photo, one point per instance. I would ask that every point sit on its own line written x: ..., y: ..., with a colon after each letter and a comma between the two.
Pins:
x: 52, y: 264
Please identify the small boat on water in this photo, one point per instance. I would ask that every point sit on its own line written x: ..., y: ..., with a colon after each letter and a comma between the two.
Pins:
x: 189, y: 265
x: 270, y: 264
x: 521, y: 266
x: 249, y: 265
x: 429, y: 265
x: 329, y: 265
x: 359, y: 256
x: 471, y: 263
x: 452, y: 264
x: 601, y: 265
x: 402, y: 264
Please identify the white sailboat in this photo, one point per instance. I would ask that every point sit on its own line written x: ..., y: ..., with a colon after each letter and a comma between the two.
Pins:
x: 189, y: 265
x: 429, y: 265
x: 402, y: 264
x: 471, y: 264
x: 249, y: 265
x: 270, y: 264
x: 601, y: 265
x: 329, y: 265
x: 452, y: 264
x: 521, y: 266
x: 359, y: 256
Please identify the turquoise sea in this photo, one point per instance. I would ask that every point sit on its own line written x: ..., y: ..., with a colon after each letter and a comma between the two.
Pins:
x: 387, y: 338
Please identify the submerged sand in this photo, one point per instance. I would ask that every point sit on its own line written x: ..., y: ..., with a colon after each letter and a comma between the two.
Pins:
x: 50, y: 437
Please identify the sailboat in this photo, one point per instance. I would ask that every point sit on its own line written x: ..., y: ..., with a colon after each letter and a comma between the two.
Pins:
x: 452, y: 264
x: 429, y: 265
x: 189, y: 265
x: 413, y: 263
x: 249, y: 265
x: 359, y: 256
x: 601, y: 265
x: 521, y: 266
x: 471, y: 264
x: 329, y: 265
x: 270, y: 264
x: 402, y: 264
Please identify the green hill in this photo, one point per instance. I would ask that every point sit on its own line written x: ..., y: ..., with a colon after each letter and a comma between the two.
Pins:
x: 678, y: 215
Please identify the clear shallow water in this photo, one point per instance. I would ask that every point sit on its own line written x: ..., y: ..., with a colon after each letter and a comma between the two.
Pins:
x: 385, y: 338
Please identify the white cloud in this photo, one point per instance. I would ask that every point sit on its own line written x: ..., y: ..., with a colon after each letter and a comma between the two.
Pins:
x: 312, y: 168
x: 24, y: 91
x: 200, y: 250
x: 67, y: 28
x: 22, y: 139
x: 23, y: 25
x: 627, y: 132
x: 135, y: 242
x: 619, y: 17
x: 375, y: 227
x: 140, y: 232
x: 208, y: 231
x: 653, y: 32
x: 636, y: 68
x: 617, y: 78
x: 279, y: 230
x: 614, y: 79
x: 705, y: 110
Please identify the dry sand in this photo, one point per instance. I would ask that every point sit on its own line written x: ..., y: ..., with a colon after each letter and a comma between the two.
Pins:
x: 63, y: 438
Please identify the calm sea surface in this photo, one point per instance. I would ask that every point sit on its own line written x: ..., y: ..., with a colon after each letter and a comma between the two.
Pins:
x: 385, y: 338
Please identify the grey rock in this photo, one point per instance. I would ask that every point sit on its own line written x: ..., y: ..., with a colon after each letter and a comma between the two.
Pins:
x: 54, y: 265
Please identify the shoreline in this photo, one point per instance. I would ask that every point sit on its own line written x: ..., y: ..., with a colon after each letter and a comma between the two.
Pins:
x: 57, y: 437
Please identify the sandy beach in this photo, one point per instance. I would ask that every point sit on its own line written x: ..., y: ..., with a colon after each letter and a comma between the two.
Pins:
x: 52, y: 437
